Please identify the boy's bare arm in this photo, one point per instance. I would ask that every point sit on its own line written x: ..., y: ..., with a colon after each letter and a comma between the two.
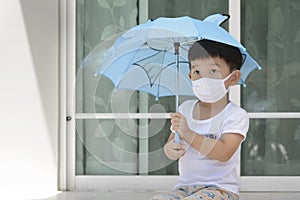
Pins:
x: 219, y: 149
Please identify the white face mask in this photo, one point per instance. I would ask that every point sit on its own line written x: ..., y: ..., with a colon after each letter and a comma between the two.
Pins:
x: 210, y: 90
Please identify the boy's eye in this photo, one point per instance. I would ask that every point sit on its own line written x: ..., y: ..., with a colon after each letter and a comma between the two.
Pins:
x: 197, y: 72
x: 213, y: 71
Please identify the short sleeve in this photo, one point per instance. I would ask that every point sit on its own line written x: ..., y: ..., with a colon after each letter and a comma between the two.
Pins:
x: 236, y: 121
x: 186, y: 108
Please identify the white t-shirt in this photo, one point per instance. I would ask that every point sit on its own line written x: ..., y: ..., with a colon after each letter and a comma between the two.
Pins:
x: 196, y: 169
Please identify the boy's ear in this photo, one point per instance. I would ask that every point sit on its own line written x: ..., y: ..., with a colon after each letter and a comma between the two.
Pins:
x: 235, y: 77
x: 190, y: 75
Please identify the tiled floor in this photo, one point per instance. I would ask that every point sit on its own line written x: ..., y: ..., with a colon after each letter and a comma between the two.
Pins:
x: 145, y: 195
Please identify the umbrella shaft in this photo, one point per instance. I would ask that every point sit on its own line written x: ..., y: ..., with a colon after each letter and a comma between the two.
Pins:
x: 177, y: 44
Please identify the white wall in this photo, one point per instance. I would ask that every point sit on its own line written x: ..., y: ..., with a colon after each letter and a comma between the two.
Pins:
x: 28, y: 95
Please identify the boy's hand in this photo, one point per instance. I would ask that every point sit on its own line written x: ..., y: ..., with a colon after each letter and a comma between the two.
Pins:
x: 174, y: 150
x: 179, y: 124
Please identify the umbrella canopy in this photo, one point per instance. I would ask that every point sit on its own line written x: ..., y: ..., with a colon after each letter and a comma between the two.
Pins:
x: 145, y: 57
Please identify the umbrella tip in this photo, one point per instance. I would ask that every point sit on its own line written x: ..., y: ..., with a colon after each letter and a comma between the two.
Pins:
x: 217, y: 19
x: 244, y: 84
x: 226, y: 15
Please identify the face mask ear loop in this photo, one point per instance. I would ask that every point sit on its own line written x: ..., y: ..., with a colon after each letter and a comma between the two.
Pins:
x: 225, y: 79
x: 228, y: 77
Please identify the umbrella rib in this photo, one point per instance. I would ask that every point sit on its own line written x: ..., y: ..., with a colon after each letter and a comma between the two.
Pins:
x: 172, y: 63
x: 158, y: 51
x: 155, y: 54
x: 149, y: 78
x: 137, y: 50
x: 132, y: 59
x: 145, y: 58
x: 158, y: 86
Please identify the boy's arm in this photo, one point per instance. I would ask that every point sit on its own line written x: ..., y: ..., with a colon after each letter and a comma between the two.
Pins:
x: 218, y: 149
x: 221, y: 150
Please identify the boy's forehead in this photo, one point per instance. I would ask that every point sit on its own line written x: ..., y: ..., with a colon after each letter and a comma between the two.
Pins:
x: 218, y: 62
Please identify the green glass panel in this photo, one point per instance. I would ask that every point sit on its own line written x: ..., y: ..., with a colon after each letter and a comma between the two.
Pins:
x: 271, y: 35
x: 271, y: 149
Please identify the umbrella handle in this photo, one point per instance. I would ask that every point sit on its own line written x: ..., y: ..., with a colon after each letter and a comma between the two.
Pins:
x: 177, y: 138
x: 176, y: 134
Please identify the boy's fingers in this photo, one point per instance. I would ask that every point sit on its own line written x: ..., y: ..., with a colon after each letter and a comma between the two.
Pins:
x: 177, y: 115
x: 180, y: 152
x: 179, y: 146
x: 174, y: 115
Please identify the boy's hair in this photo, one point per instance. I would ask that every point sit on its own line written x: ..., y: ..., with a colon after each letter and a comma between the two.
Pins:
x: 207, y: 48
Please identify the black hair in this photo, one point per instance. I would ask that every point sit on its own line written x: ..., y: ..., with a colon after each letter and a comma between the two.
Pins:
x: 208, y: 48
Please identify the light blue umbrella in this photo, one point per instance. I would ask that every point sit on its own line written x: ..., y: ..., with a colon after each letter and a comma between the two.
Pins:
x: 152, y: 57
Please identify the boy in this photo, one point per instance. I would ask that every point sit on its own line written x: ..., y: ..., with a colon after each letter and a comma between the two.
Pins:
x: 211, y: 128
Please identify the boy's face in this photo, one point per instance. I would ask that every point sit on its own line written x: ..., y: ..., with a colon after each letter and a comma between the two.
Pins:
x: 213, y: 67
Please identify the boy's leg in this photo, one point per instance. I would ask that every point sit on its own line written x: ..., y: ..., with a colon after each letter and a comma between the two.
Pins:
x: 212, y: 193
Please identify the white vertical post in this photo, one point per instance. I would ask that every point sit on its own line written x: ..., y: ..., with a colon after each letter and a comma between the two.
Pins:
x: 70, y: 78
x: 67, y: 96
x: 235, y: 30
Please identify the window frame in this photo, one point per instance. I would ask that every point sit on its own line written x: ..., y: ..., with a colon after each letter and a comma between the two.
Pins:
x: 68, y: 180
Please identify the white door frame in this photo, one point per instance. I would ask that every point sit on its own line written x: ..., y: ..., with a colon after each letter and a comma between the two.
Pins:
x: 67, y: 178
x: 67, y: 54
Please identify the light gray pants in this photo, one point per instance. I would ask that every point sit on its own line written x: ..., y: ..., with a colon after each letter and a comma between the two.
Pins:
x: 197, y: 193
